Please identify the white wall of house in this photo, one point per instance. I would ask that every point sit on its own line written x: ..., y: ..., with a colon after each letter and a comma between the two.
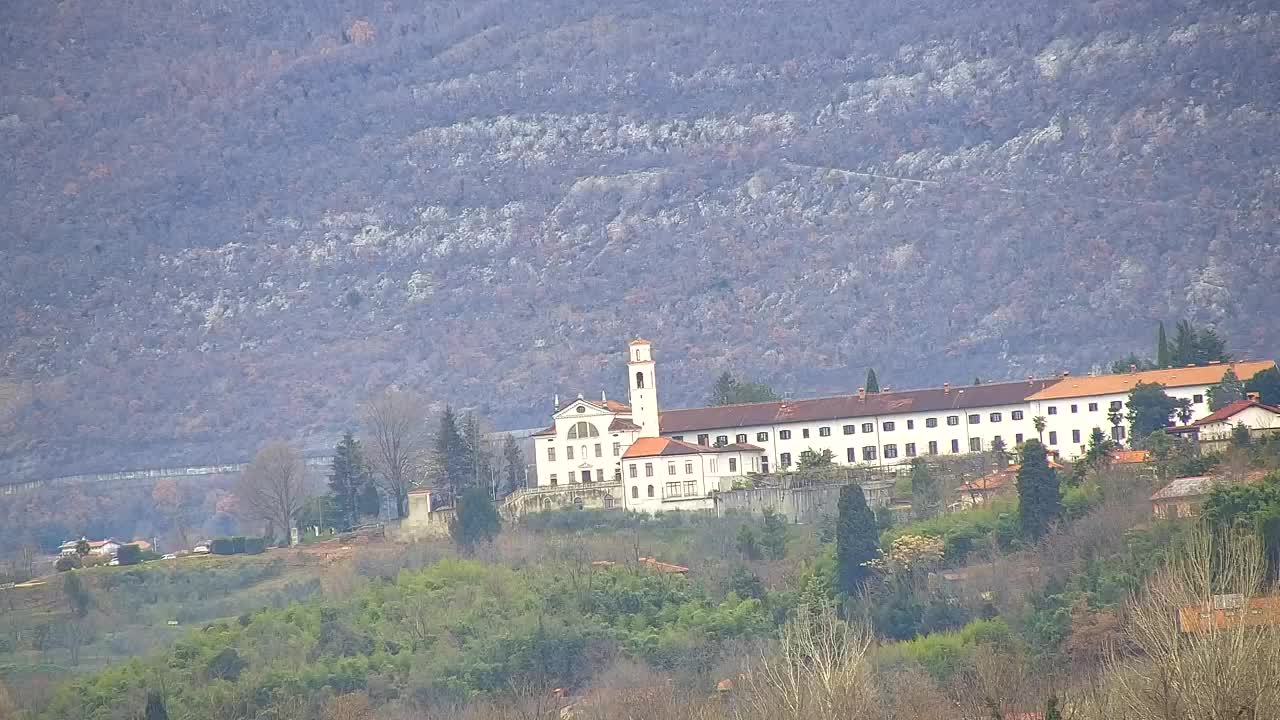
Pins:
x: 1258, y: 420
x: 1069, y: 421
x: 562, y: 460
x: 682, y: 482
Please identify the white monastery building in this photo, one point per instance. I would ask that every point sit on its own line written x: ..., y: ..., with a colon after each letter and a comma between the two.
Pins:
x: 676, y: 459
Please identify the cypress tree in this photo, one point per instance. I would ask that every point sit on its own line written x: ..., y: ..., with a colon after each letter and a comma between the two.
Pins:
x: 348, y: 476
x: 155, y: 707
x: 1039, y: 498
x: 476, y: 519
x: 873, y: 384
x: 1162, y: 347
x: 1228, y: 390
x: 926, y: 491
x: 513, y: 466
x: 857, y: 540
x: 452, y: 456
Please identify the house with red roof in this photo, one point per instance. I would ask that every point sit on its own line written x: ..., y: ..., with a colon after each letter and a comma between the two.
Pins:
x: 1213, y: 431
x: 661, y: 474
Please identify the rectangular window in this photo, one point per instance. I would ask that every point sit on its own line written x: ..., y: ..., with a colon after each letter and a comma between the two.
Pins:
x: 868, y: 427
x: 1016, y: 414
x: 599, y: 451
x: 1075, y: 408
x: 890, y: 451
x: 955, y: 446
x: 1053, y: 437
x: 933, y: 447
x: 784, y: 434
x: 715, y: 465
x: 869, y: 452
x: 1197, y: 399
x: 851, y: 454
x: 804, y: 432
x: 784, y: 460
x: 648, y: 469
x: 617, y: 475
x: 617, y: 449
x: 733, y: 465
x: 887, y: 425
x: 704, y: 439
x: 931, y: 422
x: 997, y: 440
x: 911, y: 449
x: 553, y: 479
x: 671, y: 490
x: 586, y: 476
x: 996, y: 417
x: 1093, y: 407
x: 631, y: 470
x: 975, y: 444
x: 722, y: 440
x: 1017, y: 439
x: 953, y: 420
x: 742, y: 438
x: 1075, y: 436
x: 824, y: 432
x: 688, y: 467
x: 690, y: 488
x: 974, y: 419
x: 568, y: 452
x: 1053, y: 409
x: 551, y: 454
x: 911, y: 424
x: 762, y: 437
x: 671, y: 468
x: 849, y: 429
x: 677, y: 437
x: 1116, y: 404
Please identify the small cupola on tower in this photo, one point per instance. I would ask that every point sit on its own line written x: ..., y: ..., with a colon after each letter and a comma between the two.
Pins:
x: 643, y: 384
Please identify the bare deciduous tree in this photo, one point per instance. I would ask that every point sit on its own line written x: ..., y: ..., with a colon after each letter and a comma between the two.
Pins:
x: 397, y: 442
x: 272, y: 487
x: 820, y: 669
x: 1204, y: 649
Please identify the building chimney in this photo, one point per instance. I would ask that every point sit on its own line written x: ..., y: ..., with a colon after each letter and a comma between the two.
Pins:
x: 1133, y: 368
x: 1066, y: 373
x: 1031, y: 380
x: 946, y: 387
x: 555, y: 403
x: 603, y: 398
x: 1253, y: 396
x: 862, y: 393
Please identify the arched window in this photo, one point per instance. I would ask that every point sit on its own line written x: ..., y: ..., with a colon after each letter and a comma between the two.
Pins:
x: 650, y: 491
x: 583, y: 429
x: 639, y: 381
x: 635, y: 492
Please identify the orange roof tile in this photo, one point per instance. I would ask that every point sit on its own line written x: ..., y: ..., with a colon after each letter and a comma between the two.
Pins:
x: 654, y: 446
x: 1130, y: 457
x: 1072, y: 387
x: 1255, y: 612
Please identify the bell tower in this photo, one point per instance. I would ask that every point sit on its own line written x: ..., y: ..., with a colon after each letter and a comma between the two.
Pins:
x: 643, y: 386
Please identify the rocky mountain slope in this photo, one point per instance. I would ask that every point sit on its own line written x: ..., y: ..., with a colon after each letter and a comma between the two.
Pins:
x: 231, y: 221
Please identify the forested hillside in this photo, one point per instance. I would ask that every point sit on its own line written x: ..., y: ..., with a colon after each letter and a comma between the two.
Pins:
x: 230, y: 221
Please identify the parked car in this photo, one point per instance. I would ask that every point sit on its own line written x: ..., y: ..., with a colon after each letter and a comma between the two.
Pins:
x: 169, y: 556
x: 114, y: 562
x: 200, y: 550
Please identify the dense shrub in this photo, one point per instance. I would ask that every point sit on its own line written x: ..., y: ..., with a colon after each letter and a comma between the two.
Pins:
x: 129, y: 554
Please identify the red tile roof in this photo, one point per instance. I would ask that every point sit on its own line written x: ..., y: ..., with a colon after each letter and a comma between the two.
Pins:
x: 1231, y: 410
x: 736, y: 447
x: 622, y: 425
x: 1119, y: 383
x: 1130, y: 457
x: 850, y: 406
x: 1253, y: 612
x: 653, y: 447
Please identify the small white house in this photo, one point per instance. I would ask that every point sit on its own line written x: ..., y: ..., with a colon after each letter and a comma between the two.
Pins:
x: 661, y: 474
x: 1213, y: 432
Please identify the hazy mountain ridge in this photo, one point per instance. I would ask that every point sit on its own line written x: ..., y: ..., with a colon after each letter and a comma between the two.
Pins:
x: 237, y: 226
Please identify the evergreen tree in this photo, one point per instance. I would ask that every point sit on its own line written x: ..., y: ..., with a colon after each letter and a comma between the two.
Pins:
x: 747, y: 543
x: 1228, y: 390
x: 773, y: 539
x: 1240, y: 437
x: 453, y: 459
x: 155, y: 707
x: 1039, y: 497
x: 857, y: 540
x: 368, y: 501
x: 926, y: 491
x: 348, y: 476
x: 728, y: 390
x: 1150, y: 409
x: 1183, y: 351
x: 82, y: 547
x: 1267, y: 385
x: 476, y: 519
x: 479, y: 464
x: 873, y: 384
x: 513, y: 477
x: 1100, y: 447
x: 999, y: 452
x: 1162, y: 348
